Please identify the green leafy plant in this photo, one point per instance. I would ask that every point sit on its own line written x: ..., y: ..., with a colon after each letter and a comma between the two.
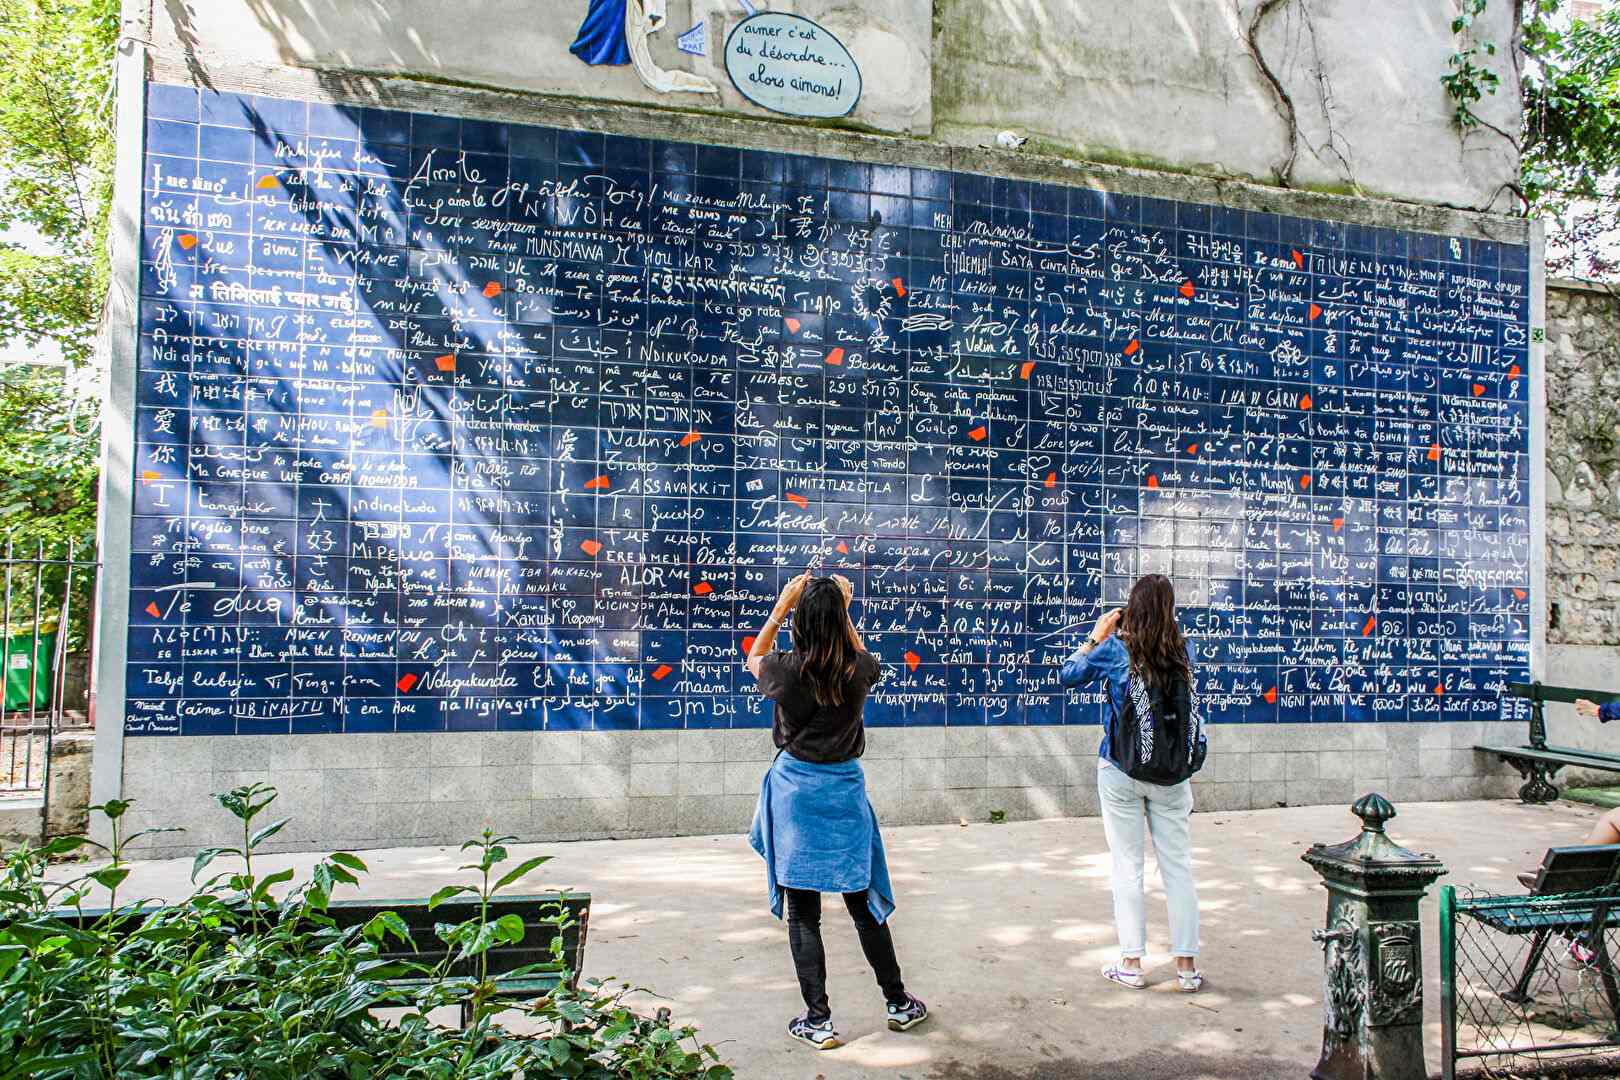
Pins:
x: 56, y: 154
x: 1568, y: 138
x: 1469, y: 80
x: 250, y: 976
x: 47, y: 499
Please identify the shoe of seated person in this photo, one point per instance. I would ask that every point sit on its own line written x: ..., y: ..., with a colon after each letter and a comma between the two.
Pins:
x: 907, y: 1016
x: 817, y: 1033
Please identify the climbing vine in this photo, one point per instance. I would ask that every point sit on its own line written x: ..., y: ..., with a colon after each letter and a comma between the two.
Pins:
x: 1468, y: 79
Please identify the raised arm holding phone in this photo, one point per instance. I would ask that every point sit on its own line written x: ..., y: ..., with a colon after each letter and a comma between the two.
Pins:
x: 814, y: 825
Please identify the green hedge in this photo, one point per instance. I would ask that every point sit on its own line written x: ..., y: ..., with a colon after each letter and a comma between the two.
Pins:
x: 234, y: 982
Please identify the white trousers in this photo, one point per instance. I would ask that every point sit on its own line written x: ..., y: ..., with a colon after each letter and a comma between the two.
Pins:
x: 1131, y: 810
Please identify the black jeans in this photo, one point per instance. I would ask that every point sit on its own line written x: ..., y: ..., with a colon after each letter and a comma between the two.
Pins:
x: 810, y: 959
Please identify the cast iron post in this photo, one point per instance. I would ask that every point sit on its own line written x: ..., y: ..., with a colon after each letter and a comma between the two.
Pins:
x: 1372, y: 977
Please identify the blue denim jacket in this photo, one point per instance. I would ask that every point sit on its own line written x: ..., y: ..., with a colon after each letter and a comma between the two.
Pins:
x: 1609, y: 712
x: 1111, y: 663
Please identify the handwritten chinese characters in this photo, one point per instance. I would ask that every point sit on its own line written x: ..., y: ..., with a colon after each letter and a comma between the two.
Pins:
x: 446, y: 424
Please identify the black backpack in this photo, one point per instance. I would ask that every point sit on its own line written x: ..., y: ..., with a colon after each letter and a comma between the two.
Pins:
x: 1159, y: 736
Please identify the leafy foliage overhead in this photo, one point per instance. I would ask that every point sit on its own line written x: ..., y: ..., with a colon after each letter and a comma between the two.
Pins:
x: 56, y: 154
x: 1569, y: 134
x: 1571, y: 146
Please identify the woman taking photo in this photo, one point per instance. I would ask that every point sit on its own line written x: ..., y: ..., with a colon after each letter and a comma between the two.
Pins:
x: 1152, y: 744
x: 814, y: 825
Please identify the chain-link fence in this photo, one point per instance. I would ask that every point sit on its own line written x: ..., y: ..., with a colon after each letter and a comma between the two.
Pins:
x: 1528, y: 983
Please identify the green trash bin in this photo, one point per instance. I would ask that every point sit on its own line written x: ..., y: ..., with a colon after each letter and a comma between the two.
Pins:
x: 28, y: 658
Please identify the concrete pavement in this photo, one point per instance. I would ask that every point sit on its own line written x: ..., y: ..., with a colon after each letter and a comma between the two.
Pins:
x: 1002, y: 929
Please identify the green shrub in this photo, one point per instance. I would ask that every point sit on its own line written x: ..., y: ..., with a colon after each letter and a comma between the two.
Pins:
x: 233, y: 982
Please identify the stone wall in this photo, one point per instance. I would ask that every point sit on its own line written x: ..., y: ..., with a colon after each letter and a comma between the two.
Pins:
x: 1583, y: 465
x: 71, y: 754
x: 1583, y: 508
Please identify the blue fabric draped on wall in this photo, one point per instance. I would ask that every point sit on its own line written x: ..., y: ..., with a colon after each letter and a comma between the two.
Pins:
x: 601, y: 35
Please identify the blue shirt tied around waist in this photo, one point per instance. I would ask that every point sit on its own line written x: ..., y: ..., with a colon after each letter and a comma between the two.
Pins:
x: 816, y: 830
x: 1111, y: 662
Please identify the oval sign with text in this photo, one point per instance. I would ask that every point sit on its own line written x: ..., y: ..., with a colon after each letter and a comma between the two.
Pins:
x: 788, y: 64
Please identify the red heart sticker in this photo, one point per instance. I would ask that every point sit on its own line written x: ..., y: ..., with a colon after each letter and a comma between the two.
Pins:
x: 836, y: 357
x: 1187, y: 289
x: 843, y: 548
x: 1130, y: 350
x: 792, y: 324
x: 1521, y: 594
x: 748, y: 643
x: 661, y: 670
x: 703, y: 588
x: 590, y: 547
x: 979, y: 434
x: 1299, y: 260
x: 1478, y: 390
x: 406, y: 681
x: 1193, y: 449
x: 1051, y: 479
x: 1153, y: 481
x: 690, y: 437
x: 912, y: 660
x: 1439, y: 689
x: 1305, y: 402
x: 1434, y: 452
x: 186, y: 241
x: 147, y: 476
x: 492, y: 290
x: 266, y: 182
x: 1372, y: 624
x: 899, y: 287
x: 1514, y: 372
x: 1305, y: 481
x: 447, y: 362
x: 1271, y: 696
x: 797, y: 500
x: 1338, y: 523
x: 1027, y: 370
x: 1315, y: 311
x: 600, y: 483
x: 153, y: 610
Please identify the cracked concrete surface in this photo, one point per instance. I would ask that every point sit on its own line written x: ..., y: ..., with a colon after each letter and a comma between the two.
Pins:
x: 1342, y: 97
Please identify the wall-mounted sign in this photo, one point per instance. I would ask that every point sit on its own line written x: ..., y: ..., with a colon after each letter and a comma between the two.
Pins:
x: 694, y: 41
x: 788, y: 64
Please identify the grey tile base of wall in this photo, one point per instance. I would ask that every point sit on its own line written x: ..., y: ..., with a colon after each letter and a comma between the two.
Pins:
x: 366, y: 791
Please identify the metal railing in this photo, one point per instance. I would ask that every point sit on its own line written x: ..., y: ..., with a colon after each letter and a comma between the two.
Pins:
x: 47, y: 599
x: 1528, y: 983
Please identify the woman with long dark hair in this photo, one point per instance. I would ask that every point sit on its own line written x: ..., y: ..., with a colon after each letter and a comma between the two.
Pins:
x: 814, y: 825
x: 1152, y: 743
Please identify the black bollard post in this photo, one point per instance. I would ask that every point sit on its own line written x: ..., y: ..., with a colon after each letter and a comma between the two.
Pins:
x: 1372, y: 965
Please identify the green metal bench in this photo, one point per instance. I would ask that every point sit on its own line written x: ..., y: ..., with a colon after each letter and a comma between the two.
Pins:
x: 1561, y: 901
x: 1537, y: 762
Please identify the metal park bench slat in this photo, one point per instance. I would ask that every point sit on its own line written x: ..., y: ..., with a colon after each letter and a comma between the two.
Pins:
x: 1573, y: 893
x: 1537, y: 762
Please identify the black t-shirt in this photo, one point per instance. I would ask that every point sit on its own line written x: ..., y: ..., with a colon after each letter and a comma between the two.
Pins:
x: 823, y: 734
